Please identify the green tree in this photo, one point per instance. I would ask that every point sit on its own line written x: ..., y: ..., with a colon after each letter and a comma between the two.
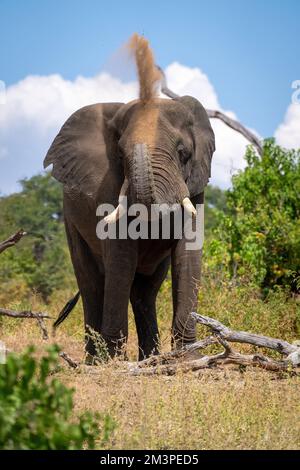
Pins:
x: 259, y: 236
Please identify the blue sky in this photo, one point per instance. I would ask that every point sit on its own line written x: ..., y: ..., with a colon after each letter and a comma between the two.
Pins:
x: 235, y: 55
x: 247, y: 49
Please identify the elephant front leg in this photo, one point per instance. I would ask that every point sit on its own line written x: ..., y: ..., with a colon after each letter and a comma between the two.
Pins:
x: 143, y: 297
x: 186, y: 271
x: 119, y: 275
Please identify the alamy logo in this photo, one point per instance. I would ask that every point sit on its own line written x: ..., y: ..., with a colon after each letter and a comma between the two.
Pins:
x: 160, y: 222
x: 296, y: 94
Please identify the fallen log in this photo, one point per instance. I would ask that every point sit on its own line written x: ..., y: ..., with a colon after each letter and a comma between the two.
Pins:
x: 169, y: 363
x: 182, y: 360
x: 206, y: 362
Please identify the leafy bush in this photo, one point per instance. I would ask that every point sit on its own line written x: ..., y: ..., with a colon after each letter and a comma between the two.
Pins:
x: 36, y: 411
x: 258, y: 237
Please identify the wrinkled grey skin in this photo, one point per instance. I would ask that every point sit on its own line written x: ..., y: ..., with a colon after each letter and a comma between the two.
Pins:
x: 96, y: 148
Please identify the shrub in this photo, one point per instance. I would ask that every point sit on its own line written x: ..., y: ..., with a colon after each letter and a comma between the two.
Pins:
x: 259, y: 235
x: 36, y: 410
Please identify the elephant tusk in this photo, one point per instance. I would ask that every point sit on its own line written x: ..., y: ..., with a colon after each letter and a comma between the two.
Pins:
x: 121, y: 208
x: 115, y: 215
x: 188, y: 205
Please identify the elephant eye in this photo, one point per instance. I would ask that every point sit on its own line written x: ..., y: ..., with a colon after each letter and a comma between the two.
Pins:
x: 183, y: 153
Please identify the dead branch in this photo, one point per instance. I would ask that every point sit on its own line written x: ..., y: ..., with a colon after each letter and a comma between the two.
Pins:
x: 171, y: 369
x: 12, y: 240
x: 206, y: 362
x: 283, y: 347
x: 23, y: 314
x: 43, y: 328
x: 69, y: 360
x: 40, y: 320
x: 175, y: 361
x: 176, y: 354
x: 215, y: 114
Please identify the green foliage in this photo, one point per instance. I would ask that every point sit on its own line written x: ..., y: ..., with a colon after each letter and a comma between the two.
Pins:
x: 36, y: 411
x: 258, y: 238
x: 215, y: 201
x: 41, y: 259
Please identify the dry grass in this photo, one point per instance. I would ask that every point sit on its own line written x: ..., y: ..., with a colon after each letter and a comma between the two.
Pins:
x: 215, y: 409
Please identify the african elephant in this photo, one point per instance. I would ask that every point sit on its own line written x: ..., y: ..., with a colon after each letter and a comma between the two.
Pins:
x: 155, y: 151
x: 99, y: 146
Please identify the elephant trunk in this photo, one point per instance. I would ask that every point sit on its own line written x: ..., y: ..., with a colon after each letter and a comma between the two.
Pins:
x: 151, y: 180
x: 155, y: 178
x: 140, y: 175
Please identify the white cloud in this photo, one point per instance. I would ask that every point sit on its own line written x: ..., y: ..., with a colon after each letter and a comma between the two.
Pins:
x: 288, y: 133
x: 37, y: 106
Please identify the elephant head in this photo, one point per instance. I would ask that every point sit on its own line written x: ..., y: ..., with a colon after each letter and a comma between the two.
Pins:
x: 165, y: 147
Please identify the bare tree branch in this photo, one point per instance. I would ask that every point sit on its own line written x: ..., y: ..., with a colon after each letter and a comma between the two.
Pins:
x: 12, y: 240
x: 170, y: 363
x: 176, y: 354
x: 207, y: 362
x: 24, y: 314
x: 215, y: 114
x: 236, y: 126
x: 226, y: 333
x: 227, y: 357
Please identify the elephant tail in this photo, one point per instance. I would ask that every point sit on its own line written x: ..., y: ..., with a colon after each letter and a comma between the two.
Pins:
x: 66, y: 310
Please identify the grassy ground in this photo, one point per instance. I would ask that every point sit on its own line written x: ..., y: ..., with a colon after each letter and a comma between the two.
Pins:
x: 213, y: 409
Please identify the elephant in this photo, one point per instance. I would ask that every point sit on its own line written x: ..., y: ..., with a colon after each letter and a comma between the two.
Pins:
x: 158, y: 151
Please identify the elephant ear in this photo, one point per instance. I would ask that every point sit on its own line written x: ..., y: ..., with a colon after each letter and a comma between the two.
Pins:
x: 204, y: 141
x: 83, y: 147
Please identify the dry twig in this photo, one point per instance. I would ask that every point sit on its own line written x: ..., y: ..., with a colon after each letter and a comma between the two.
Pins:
x: 73, y: 364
